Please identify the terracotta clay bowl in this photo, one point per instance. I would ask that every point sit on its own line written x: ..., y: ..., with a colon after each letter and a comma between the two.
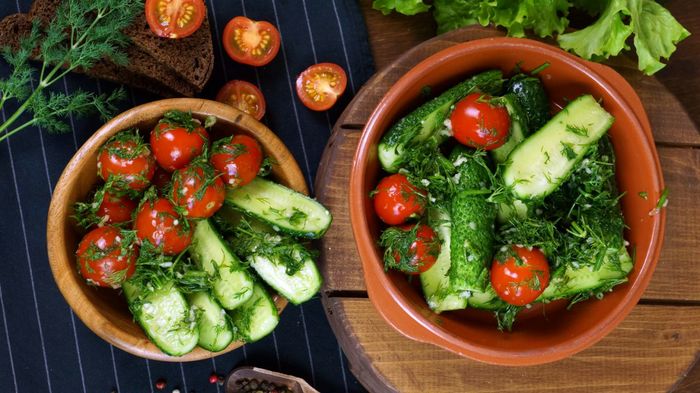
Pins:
x: 539, y: 336
x: 104, y: 310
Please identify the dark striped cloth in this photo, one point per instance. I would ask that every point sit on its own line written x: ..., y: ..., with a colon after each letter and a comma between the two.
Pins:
x: 43, y: 346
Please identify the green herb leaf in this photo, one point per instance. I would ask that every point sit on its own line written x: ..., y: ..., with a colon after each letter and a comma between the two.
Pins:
x: 406, y: 7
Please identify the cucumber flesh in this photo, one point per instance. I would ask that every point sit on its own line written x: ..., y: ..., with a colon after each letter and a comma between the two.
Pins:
x: 435, y: 281
x: 298, y: 287
x: 537, y: 166
x: 569, y: 281
x: 232, y: 284
x: 215, y: 332
x: 165, y: 317
x: 282, y: 208
x: 257, y: 317
x: 486, y: 300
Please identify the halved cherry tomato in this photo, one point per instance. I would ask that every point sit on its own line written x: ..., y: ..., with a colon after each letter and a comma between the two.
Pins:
x: 520, y: 278
x: 106, y: 257
x: 244, y: 96
x: 422, y: 252
x: 251, y: 42
x: 177, y: 139
x: 320, y: 85
x: 396, y: 199
x: 476, y: 122
x: 127, y: 161
x: 158, y: 222
x: 116, y: 208
x: 238, y: 158
x: 198, y: 189
x: 175, y: 18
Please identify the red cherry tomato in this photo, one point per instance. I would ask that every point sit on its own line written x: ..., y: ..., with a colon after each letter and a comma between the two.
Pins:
x: 116, y: 208
x: 177, y: 139
x: 174, y: 18
x: 320, y: 85
x: 422, y: 253
x: 238, y: 158
x: 251, y: 42
x: 396, y: 200
x: 105, y: 257
x: 158, y: 222
x: 197, y: 189
x: 520, y: 280
x: 478, y: 123
x: 244, y: 96
x: 127, y: 161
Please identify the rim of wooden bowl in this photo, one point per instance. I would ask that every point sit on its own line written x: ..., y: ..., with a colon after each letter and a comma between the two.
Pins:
x: 77, y: 180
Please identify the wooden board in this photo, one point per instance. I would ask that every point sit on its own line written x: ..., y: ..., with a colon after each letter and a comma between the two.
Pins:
x: 651, y: 351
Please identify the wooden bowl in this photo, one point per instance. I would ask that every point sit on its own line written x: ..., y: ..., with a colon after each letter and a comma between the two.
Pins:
x: 539, y: 336
x: 104, y: 310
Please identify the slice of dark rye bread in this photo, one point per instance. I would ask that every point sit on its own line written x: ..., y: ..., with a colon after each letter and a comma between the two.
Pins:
x: 195, y: 68
x: 164, y: 75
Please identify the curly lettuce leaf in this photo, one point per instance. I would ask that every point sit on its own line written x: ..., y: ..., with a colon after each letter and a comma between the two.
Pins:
x: 605, y: 38
x: 544, y: 17
x: 656, y: 33
x: 406, y: 7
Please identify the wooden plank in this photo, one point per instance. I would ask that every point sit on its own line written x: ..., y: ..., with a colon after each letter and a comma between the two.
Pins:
x: 677, y: 272
x: 648, y: 352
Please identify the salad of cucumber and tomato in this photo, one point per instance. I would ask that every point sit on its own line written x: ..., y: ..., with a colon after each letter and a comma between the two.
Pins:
x: 194, y: 233
x: 498, y: 204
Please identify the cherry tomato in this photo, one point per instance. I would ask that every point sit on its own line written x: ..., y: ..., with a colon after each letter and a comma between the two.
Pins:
x: 522, y: 277
x: 175, y: 18
x: 396, y: 200
x: 251, y: 42
x: 177, y: 139
x: 158, y: 222
x: 244, y: 96
x: 105, y: 257
x: 478, y: 123
x: 199, y: 190
x: 238, y: 158
x: 127, y: 161
x: 320, y: 85
x: 116, y: 208
x: 422, y: 253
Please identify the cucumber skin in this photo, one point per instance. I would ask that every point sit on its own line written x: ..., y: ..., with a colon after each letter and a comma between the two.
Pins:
x: 472, y: 225
x: 410, y: 129
x: 530, y: 94
x: 518, y: 129
x: 241, y: 317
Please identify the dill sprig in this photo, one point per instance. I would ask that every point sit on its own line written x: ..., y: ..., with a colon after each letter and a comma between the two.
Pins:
x: 81, y: 34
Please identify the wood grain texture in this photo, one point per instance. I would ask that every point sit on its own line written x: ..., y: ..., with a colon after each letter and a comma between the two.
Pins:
x: 647, y: 352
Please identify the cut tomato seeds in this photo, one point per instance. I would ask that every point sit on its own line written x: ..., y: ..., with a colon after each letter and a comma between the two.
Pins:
x: 174, y: 18
x: 320, y: 85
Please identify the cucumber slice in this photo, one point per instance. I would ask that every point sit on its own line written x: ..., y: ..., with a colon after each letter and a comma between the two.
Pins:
x: 486, y: 300
x: 215, y: 332
x: 569, y: 281
x: 298, y: 287
x: 518, y: 127
x: 165, y: 317
x: 426, y: 122
x: 435, y: 281
x: 257, y: 317
x: 282, y: 208
x: 232, y: 285
x: 544, y: 160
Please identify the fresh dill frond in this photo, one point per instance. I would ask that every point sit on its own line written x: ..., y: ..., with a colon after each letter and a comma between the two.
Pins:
x: 81, y: 34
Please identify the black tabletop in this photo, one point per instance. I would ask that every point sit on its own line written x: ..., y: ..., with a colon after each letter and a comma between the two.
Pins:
x: 44, y: 347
